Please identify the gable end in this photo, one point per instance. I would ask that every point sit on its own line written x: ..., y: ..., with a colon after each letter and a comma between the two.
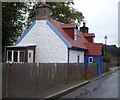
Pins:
x: 58, y: 34
x: 24, y: 34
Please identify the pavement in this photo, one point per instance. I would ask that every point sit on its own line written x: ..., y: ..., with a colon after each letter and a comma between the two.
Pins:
x: 74, y: 86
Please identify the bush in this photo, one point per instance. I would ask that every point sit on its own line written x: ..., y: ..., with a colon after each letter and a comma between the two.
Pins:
x: 106, y: 59
x: 118, y: 61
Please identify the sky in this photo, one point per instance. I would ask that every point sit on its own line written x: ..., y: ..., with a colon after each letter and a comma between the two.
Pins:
x: 101, y: 16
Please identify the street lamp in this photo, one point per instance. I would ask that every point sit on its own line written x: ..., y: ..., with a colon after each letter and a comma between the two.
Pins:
x: 105, y: 43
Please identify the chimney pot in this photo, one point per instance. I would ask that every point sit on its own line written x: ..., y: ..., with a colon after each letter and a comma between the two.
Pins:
x: 84, y: 29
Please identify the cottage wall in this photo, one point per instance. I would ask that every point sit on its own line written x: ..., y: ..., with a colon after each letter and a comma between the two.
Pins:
x: 74, y: 56
x: 49, y: 47
x: 96, y: 59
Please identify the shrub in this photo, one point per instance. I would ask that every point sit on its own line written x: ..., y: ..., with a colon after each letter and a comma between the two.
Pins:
x: 106, y: 59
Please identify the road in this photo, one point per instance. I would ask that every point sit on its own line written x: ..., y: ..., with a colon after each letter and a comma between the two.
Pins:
x: 105, y: 87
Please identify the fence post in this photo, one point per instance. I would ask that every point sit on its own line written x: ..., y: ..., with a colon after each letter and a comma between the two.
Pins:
x: 76, y: 72
x: 86, y: 73
x: 1, y: 51
x: 1, y: 80
x: 37, y: 76
x: 55, y: 74
x: 9, y: 80
x: 68, y: 72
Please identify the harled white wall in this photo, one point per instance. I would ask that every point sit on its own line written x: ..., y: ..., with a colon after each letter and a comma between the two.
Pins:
x: 74, y: 56
x: 49, y: 47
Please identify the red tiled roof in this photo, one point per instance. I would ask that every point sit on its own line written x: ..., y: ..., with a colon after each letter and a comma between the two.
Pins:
x: 81, y: 42
x: 88, y: 34
x: 94, y: 49
x: 68, y: 25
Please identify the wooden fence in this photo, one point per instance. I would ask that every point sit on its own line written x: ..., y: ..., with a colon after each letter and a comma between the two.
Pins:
x: 18, y: 80
x: 23, y: 80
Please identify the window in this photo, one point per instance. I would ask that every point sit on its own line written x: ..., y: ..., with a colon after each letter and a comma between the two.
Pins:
x: 78, y: 58
x: 9, y: 56
x: 15, y: 56
x: 22, y: 56
x: 90, y: 59
x: 29, y: 55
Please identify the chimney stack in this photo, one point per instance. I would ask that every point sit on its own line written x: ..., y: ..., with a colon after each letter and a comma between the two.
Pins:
x: 84, y: 29
x: 43, y: 11
x: 75, y: 31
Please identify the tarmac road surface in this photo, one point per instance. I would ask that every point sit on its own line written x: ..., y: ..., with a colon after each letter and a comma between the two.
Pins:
x: 105, y: 87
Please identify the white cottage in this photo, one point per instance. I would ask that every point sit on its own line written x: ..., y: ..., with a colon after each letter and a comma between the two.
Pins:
x: 49, y: 41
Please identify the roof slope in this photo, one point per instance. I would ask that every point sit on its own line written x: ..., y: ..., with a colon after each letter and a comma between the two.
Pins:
x: 93, y: 49
x: 67, y: 25
x: 78, y: 44
x: 89, y: 35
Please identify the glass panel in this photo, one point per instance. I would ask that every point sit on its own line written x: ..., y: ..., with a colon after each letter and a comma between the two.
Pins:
x: 9, y: 55
x: 15, y: 58
x: 90, y: 59
x: 29, y: 55
x: 22, y: 56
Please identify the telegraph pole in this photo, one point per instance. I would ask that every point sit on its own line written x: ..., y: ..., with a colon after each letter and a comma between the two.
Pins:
x: 105, y: 45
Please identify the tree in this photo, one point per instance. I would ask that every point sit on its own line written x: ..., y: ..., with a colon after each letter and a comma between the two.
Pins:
x: 106, y: 59
x: 63, y: 12
x: 112, y: 54
x: 112, y: 49
x: 13, y: 21
x: 118, y: 56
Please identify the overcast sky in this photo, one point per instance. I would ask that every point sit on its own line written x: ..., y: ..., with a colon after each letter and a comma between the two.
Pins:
x: 101, y: 17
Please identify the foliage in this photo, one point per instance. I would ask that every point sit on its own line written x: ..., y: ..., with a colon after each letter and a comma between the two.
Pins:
x: 118, y: 52
x: 13, y: 21
x: 111, y: 49
x: 114, y: 53
x: 64, y: 12
x: 118, y: 57
x: 106, y: 59
x: 61, y: 11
